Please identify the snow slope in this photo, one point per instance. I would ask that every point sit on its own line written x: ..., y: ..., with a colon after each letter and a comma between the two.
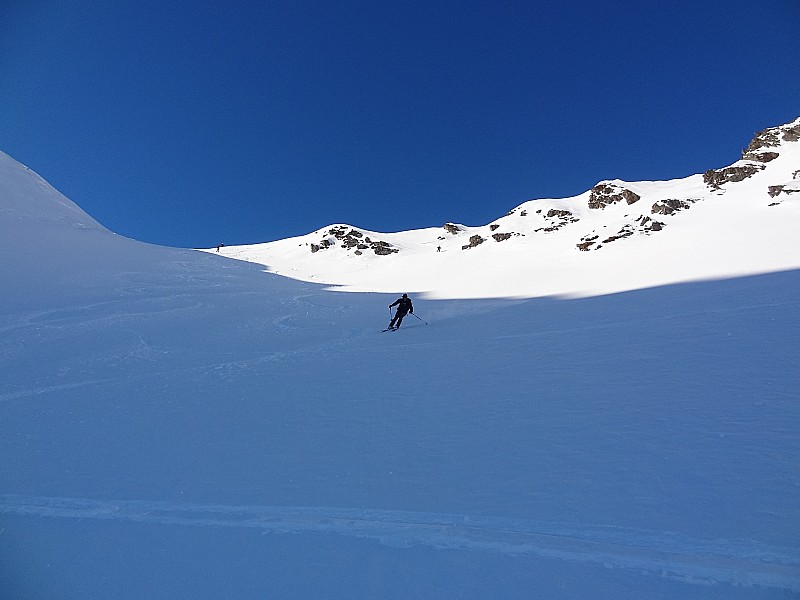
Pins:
x: 718, y: 227
x: 174, y: 424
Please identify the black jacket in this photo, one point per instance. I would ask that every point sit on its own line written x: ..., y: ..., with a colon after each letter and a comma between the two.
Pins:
x: 403, y: 305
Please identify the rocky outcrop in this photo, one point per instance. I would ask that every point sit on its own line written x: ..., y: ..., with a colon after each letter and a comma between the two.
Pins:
x: 474, y: 241
x: 452, y: 228
x: 668, y: 207
x: 587, y: 242
x: 555, y: 219
x: 763, y: 157
x: 766, y: 138
x: 791, y: 134
x: 604, y: 194
x: 501, y: 237
x: 350, y: 239
x: 774, y: 190
x: 756, y: 155
x: 716, y: 178
x: 671, y: 206
x: 626, y: 231
x: 646, y: 224
x: 321, y: 246
x: 641, y: 225
x: 383, y: 248
x: 786, y: 188
x: 522, y: 212
x: 772, y: 137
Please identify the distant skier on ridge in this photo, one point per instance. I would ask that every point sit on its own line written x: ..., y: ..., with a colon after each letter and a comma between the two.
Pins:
x: 404, y: 306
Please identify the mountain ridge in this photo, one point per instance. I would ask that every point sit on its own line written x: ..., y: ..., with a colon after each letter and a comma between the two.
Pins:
x: 753, y: 202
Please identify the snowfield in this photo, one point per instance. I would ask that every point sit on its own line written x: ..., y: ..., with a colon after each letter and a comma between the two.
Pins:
x: 635, y: 235
x: 176, y: 424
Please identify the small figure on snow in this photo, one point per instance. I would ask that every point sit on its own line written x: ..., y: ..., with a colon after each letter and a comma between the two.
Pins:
x: 220, y: 246
x: 404, y: 306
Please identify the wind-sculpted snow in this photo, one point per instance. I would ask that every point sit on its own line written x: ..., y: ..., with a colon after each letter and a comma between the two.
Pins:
x: 666, y: 554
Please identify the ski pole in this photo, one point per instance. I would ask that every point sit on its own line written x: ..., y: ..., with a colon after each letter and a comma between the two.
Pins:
x: 426, y: 323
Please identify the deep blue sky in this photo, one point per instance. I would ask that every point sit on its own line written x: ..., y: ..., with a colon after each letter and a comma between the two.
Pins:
x: 194, y: 123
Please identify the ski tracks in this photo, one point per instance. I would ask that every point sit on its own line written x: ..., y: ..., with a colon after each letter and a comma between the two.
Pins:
x: 665, y: 554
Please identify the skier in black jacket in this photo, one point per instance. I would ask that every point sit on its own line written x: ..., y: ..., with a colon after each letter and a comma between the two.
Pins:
x: 404, y: 306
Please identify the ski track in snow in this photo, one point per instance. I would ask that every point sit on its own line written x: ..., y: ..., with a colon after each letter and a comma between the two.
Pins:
x: 282, y: 323
x: 244, y: 363
x: 665, y: 554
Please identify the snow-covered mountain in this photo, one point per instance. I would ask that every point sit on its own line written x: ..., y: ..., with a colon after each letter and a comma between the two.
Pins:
x: 738, y: 220
x: 175, y: 424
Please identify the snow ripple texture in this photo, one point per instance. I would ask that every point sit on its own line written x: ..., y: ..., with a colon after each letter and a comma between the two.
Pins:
x: 666, y: 554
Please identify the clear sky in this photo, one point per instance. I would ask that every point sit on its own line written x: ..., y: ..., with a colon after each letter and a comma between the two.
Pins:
x: 196, y: 123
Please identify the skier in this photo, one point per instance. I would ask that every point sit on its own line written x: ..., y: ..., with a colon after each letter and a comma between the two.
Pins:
x: 403, y: 306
